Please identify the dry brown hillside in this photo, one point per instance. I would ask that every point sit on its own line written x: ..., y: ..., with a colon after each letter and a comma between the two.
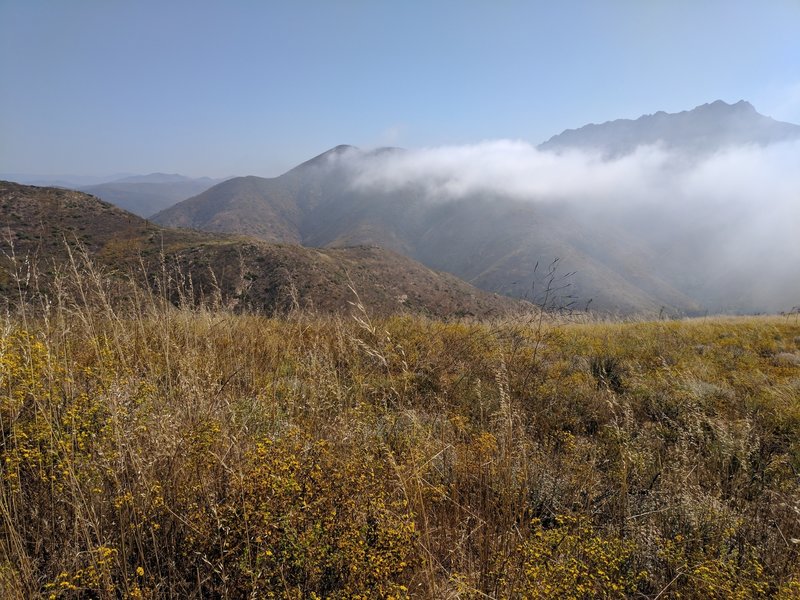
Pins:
x: 40, y: 224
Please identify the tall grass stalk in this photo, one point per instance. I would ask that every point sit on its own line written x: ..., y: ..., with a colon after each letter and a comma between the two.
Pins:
x: 155, y: 444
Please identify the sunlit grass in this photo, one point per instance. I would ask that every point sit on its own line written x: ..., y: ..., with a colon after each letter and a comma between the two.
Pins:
x: 150, y: 451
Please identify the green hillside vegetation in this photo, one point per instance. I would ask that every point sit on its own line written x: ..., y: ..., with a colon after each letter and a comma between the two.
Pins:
x: 150, y: 451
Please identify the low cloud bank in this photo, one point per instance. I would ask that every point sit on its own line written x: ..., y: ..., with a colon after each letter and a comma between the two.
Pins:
x: 505, y: 168
x: 740, y: 206
x: 518, y: 170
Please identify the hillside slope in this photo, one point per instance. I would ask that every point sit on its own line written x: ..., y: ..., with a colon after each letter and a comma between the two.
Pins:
x: 244, y: 272
x: 646, y: 256
x: 492, y: 242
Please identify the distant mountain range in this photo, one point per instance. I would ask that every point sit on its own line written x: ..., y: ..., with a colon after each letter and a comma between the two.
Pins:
x: 145, y: 195
x: 65, y: 181
x: 164, y: 178
x: 647, y: 258
x: 703, y: 130
x: 498, y: 243
x: 38, y: 222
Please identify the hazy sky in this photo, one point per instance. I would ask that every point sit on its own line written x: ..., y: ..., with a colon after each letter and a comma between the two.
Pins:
x: 237, y: 87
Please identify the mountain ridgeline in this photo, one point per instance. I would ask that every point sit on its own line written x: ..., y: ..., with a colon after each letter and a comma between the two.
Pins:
x: 144, y: 195
x: 499, y: 245
x: 619, y: 262
x: 41, y: 223
x: 703, y: 130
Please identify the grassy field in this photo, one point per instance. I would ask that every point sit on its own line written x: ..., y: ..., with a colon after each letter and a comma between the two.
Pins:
x: 156, y: 452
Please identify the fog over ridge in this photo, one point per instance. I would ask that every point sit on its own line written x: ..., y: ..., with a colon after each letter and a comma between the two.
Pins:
x: 736, y: 211
x: 519, y: 170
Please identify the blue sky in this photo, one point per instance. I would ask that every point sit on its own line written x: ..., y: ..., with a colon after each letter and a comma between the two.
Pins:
x: 237, y: 87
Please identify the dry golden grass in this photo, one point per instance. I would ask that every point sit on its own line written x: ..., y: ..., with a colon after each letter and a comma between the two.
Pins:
x: 156, y: 452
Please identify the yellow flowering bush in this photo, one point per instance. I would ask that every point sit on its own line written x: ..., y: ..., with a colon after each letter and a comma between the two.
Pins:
x: 152, y: 451
x: 305, y: 520
x: 573, y: 560
x: 716, y: 572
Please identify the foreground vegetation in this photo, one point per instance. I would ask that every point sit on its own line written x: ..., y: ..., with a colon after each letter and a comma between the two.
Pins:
x: 150, y: 451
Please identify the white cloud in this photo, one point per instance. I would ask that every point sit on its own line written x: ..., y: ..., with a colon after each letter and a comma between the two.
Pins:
x: 743, y: 203
x: 515, y: 169
x: 508, y: 168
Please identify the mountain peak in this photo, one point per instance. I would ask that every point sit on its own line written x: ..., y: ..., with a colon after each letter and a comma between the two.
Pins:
x: 336, y: 151
x: 720, y: 106
x: 706, y: 128
x: 322, y: 159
